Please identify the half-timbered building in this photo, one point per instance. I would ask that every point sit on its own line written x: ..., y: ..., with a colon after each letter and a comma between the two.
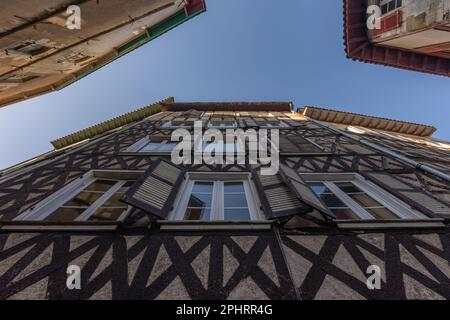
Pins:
x: 352, y: 192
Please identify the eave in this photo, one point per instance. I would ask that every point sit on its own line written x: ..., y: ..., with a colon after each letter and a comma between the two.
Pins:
x: 109, y: 125
x: 371, y: 122
x: 103, y: 44
x: 229, y: 106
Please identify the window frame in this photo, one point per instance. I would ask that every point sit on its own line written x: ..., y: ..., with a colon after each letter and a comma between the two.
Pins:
x: 139, y: 145
x: 399, y: 208
x: 321, y: 149
x: 398, y: 4
x: 49, y: 205
x: 217, y: 203
x: 222, y: 125
x: 169, y: 124
x: 282, y: 125
x: 236, y: 145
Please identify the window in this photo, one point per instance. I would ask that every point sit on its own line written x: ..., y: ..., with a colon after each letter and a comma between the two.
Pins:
x: 222, y: 124
x: 226, y: 197
x: 227, y: 147
x: 350, y: 197
x: 179, y: 124
x: 296, y: 144
x: 163, y: 146
x: 27, y: 48
x: 154, y: 144
x: 235, y: 202
x: 94, y: 199
x: 389, y: 5
x: 271, y: 124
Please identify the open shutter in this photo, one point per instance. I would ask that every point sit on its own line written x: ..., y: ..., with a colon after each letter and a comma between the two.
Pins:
x: 415, y: 197
x: 155, y: 191
x: 303, y: 191
x: 276, y: 198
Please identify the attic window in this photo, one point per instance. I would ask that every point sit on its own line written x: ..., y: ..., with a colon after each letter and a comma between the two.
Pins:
x: 389, y: 5
x: 153, y: 144
x: 19, y: 78
x: 28, y: 48
x: 179, y: 124
x: 219, y: 123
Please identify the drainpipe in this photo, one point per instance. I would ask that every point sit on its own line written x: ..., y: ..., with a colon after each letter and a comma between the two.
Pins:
x: 386, y: 151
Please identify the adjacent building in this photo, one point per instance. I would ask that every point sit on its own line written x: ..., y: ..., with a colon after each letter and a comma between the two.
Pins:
x: 46, y: 45
x: 352, y: 192
x: 407, y: 34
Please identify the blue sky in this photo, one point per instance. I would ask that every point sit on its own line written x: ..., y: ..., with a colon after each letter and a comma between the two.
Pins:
x: 239, y: 50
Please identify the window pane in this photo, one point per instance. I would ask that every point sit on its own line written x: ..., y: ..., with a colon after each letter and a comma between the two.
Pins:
x: 365, y: 201
x: 345, y: 214
x: 332, y: 201
x: 152, y: 146
x: 392, y: 5
x: 101, y: 185
x: 114, y: 201
x: 382, y: 213
x: 319, y: 188
x: 200, y: 200
x: 235, y: 200
x: 203, y: 187
x: 83, y: 199
x: 230, y: 147
x: 210, y: 147
x: 198, y: 214
x: 65, y: 214
x: 168, y: 147
x: 237, y: 215
x: 348, y: 187
x: 107, y: 214
x: 234, y: 187
x: 126, y: 186
x: 215, y: 147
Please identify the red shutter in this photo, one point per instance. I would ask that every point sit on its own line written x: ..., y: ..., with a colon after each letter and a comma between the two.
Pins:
x: 388, y: 23
x: 195, y: 6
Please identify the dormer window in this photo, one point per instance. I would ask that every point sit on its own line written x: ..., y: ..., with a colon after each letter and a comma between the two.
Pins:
x: 271, y: 124
x: 153, y: 144
x: 187, y: 124
x: 222, y: 124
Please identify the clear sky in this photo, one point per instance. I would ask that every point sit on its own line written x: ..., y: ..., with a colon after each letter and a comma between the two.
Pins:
x: 239, y: 50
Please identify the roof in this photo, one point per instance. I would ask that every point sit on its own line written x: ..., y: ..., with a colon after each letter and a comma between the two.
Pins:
x: 359, y: 48
x: 39, y: 54
x: 354, y: 119
x: 167, y: 104
x: 109, y: 125
x: 229, y: 106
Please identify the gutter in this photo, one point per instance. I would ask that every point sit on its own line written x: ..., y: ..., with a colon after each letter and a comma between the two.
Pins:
x: 418, y: 165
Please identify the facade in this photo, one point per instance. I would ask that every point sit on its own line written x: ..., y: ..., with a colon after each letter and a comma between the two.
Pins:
x: 39, y: 53
x: 352, y: 191
x: 408, y: 34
